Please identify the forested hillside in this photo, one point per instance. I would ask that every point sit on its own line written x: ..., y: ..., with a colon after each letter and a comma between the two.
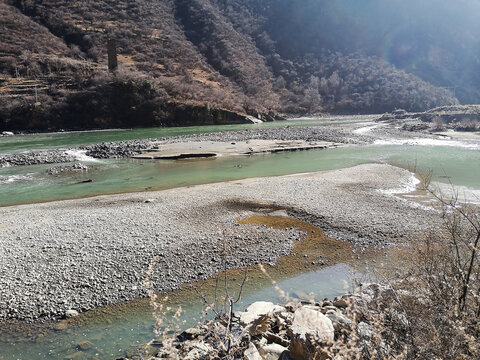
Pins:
x: 182, y: 59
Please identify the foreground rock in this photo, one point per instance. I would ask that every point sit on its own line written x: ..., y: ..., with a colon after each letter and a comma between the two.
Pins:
x: 309, y: 330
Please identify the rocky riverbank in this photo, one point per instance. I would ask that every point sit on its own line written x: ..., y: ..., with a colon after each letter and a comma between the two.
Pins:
x: 81, y: 254
x: 456, y: 117
x: 347, y: 327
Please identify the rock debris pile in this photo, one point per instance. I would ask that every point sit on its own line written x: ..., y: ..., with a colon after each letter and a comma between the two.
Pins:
x: 297, y: 331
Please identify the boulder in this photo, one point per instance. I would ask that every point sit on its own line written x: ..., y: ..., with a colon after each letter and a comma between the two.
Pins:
x: 253, y: 119
x: 309, y: 330
x: 7, y: 133
x: 257, y: 310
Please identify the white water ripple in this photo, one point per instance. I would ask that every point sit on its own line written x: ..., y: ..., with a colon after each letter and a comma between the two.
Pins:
x: 15, y: 178
x: 365, y: 130
x: 406, y: 187
x: 81, y: 155
x: 429, y: 142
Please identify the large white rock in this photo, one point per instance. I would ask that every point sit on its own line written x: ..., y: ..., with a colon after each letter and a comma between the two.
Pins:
x: 310, y: 329
x: 257, y: 310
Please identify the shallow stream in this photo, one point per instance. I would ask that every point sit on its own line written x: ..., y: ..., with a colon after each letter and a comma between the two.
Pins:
x: 113, y: 334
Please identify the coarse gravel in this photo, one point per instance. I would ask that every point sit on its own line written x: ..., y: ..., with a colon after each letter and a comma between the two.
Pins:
x: 81, y: 254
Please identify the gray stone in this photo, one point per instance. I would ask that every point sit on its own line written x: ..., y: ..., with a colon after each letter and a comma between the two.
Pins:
x: 364, y: 331
x: 339, y: 321
x: 200, y: 351
x: 84, y: 345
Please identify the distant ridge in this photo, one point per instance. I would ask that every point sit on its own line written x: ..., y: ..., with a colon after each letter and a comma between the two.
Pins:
x: 251, y: 57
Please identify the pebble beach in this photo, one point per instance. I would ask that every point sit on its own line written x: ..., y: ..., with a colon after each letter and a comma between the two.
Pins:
x: 84, y: 253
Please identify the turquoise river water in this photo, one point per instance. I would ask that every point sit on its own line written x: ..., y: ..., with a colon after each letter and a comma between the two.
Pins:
x: 62, y: 139
x: 28, y: 184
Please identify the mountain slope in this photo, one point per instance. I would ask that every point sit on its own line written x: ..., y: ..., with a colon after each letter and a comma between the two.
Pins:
x: 251, y: 56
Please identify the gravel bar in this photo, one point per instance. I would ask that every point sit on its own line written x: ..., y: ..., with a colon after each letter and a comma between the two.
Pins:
x: 84, y: 253
x: 122, y: 149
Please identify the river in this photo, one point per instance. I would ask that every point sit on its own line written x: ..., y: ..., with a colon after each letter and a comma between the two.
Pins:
x: 117, y: 331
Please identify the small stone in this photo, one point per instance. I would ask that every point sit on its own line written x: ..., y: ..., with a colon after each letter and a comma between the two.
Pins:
x: 71, y: 313
x: 277, y: 339
x: 60, y: 326
x: 148, y: 201
x: 189, y: 334
x: 84, y: 345
x: 272, y: 351
x: 75, y: 356
x: 339, y: 320
x: 200, y: 351
x: 340, y: 303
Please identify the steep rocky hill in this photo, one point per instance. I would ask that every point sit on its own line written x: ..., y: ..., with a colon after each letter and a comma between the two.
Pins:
x: 182, y: 60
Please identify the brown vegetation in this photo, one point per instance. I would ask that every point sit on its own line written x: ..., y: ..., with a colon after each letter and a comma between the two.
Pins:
x: 433, y: 310
x: 202, y: 52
